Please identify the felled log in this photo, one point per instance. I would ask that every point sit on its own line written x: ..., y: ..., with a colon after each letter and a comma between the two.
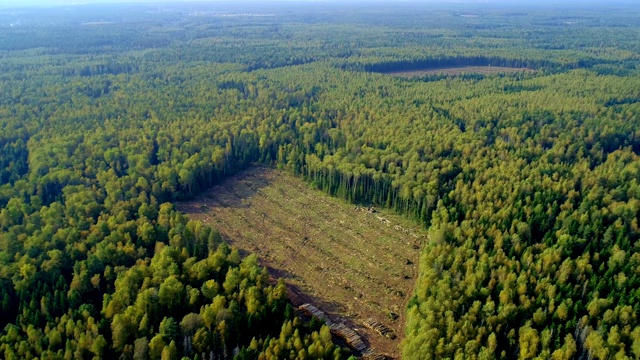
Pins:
x: 380, y: 328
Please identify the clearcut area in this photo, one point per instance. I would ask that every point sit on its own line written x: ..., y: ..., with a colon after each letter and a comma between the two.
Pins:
x: 358, y: 264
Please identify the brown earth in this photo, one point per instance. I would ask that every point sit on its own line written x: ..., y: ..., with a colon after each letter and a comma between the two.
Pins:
x: 343, y: 259
x: 484, y: 70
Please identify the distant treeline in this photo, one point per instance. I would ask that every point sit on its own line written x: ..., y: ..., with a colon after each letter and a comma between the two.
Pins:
x: 449, y: 62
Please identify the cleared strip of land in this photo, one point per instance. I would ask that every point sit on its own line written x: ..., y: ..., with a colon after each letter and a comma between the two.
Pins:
x: 356, y: 265
x: 483, y: 70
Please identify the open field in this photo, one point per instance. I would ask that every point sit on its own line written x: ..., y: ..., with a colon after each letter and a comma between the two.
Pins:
x: 483, y: 70
x: 344, y: 259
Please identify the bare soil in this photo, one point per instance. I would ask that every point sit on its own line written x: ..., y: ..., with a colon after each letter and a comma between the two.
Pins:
x: 343, y: 259
x: 483, y: 70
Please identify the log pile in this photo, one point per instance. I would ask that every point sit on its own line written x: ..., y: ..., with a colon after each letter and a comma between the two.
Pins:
x: 315, y: 312
x: 373, y: 355
x: 380, y: 328
x: 294, y: 297
x: 350, y: 337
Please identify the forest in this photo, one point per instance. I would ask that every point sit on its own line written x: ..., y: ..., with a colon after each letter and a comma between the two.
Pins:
x: 528, y: 181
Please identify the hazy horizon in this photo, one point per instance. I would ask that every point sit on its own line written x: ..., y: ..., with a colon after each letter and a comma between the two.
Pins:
x: 55, y: 3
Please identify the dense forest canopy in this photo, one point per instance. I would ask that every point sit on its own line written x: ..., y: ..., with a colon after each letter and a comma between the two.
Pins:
x: 528, y: 181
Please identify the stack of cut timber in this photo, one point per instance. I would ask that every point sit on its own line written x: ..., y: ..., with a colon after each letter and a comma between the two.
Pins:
x: 294, y: 297
x: 380, y: 328
x: 349, y: 336
x: 314, y: 311
x: 373, y: 355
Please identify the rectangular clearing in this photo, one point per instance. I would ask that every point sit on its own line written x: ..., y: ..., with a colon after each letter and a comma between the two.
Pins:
x: 356, y: 265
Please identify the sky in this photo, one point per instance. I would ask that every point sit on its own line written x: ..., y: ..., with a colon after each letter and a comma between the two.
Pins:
x: 50, y: 3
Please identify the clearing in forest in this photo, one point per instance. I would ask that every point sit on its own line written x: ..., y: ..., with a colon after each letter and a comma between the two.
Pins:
x: 355, y: 264
x: 483, y: 70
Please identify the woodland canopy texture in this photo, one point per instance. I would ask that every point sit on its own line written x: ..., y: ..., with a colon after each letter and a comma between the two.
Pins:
x: 526, y: 174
